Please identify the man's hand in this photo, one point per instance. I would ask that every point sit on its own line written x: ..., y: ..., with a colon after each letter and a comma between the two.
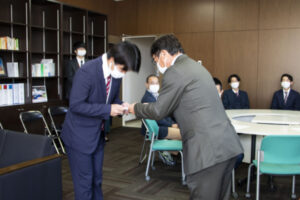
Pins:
x: 126, y: 108
x: 116, y: 110
x: 131, y: 108
x: 174, y: 125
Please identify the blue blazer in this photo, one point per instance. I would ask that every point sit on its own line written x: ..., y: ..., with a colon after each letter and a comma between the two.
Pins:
x: 231, y: 101
x: 292, y: 103
x: 163, y: 123
x: 88, y: 108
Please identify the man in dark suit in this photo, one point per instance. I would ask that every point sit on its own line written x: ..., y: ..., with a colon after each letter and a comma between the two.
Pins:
x: 235, y: 98
x: 168, y: 129
x: 210, y: 143
x: 94, y: 98
x: 286, y: 98
x: 73, y: 65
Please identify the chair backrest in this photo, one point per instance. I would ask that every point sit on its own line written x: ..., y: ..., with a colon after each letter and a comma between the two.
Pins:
x: 34, y: 122
x: 152, y: 127
x: 57, y: 116
x: 281, y: 149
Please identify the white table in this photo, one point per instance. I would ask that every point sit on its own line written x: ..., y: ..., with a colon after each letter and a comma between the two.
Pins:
x: 253, y: 124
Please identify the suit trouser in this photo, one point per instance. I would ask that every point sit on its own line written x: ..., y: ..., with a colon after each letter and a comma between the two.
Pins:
x: 212, y: 183
x: 86, y: 170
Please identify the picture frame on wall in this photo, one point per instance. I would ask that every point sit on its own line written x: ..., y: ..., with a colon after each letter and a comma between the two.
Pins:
x: 2, y: 68
x: 39, y: 94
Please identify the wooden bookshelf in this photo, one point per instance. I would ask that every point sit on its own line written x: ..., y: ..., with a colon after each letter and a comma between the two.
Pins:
x: 45, y: 30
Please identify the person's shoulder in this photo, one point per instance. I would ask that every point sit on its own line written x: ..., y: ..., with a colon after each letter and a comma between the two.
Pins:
x: 243, y: 92
x: 278, y: 92
x: 147, y: 98
x: 294, y: 92
x: 227, y: 92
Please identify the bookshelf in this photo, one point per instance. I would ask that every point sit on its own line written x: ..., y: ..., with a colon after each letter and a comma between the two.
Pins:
x: 45, y: 33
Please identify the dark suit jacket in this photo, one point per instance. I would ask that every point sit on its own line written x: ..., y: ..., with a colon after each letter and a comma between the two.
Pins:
x: 163, y: 123
x: 231, y: 101
x: 189, y: 93
x: 293, y: 101
x: 87, y: 109
x: 70, y: 69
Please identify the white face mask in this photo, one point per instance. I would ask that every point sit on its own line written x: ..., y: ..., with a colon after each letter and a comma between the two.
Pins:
x: 116, y: 73
x: 81, y: 52
x: 235, y: 85
x: 286, y: 84
x: 154, y: 88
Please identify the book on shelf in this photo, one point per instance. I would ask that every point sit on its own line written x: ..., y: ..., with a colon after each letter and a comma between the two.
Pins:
x: 12, y: 94
x: 8, y: 43
x: 39, y: 94
x: 2, y: 69
x: 14, y: 69
x: 46, y: 68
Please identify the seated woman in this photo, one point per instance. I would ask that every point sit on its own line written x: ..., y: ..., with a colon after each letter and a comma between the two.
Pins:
x: 235, y: 98
x: 168, y: 129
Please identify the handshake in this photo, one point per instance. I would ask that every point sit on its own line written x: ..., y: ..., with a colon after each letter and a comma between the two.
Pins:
x: 123, y: 109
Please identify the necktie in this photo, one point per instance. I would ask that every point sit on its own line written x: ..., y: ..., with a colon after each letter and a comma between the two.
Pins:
x: 107, y: 92
x: 108, y: 85
x: 81, y: 63
x: 285, y: 97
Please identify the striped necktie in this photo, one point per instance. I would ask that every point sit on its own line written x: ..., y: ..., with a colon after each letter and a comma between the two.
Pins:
x: 108, y: 85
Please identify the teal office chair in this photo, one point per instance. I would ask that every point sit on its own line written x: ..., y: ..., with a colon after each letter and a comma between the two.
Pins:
x: 161, y: 145
x: 278, y: 155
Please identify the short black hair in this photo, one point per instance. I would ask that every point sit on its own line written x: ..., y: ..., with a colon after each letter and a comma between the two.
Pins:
x: 233, y: 76
x: 78, y: 44
x: 151, y: 75
x: 218, y: 82
x: 167, y: 42
x: 288, y: 76
x: 127, y: 54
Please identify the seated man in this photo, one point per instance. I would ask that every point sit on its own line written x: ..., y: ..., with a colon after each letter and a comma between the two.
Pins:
x: 235, y: 98
x: 286, y: 98
x: 168, y: 129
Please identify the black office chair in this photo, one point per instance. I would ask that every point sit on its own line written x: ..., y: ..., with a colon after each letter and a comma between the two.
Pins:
x: 35, y: 122
x: 57, y: 116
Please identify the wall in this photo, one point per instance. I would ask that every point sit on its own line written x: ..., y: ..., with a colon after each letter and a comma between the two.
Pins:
x: 257, y: 39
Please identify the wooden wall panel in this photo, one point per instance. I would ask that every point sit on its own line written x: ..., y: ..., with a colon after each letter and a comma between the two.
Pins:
x: 279, y: 14
x: 236, y: 15
x: 279, y: 52
x: 155, y: 16
x: 123, y: 18
x: 193, y: 16
x: 199, y: 46
x: 236, y: 52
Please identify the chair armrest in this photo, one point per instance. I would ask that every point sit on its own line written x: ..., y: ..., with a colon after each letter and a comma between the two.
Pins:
x: 29, y: 163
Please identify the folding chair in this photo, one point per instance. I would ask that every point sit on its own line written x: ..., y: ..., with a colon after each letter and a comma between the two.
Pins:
x: 161, y: 145
x: 57, y: 116
x: 146, y: 139
x: 278, y: 155
x: 35, y: 120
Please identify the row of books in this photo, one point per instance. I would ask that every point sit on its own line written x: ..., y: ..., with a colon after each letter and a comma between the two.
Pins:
x: 45, y: 68
x: 12, y: 94
x: 8, y: 43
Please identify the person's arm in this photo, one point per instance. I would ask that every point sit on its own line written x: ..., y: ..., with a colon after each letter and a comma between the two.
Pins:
x: 247, y: 105
x: 274, y: 104
x: 225, y: 100
x: 116, y: 99
x: 169, y: 98
x: 297, y: 102
x: 79, y: 98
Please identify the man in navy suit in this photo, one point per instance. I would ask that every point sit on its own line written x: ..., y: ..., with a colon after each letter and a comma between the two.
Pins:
x: 94, y: 98
x: 235, y: 98
x: 168, y: 129
x: 286, y: 98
